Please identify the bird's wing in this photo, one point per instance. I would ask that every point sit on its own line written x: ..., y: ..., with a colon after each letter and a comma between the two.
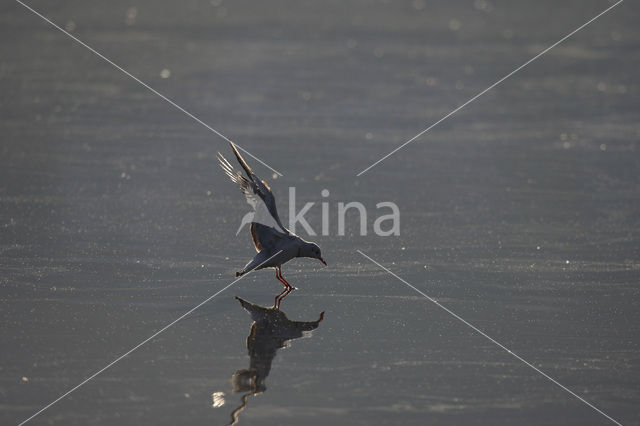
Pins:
x: 265, y: 237
x: 260, y: 197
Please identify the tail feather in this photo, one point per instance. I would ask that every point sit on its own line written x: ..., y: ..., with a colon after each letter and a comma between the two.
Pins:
x: 239, y: 273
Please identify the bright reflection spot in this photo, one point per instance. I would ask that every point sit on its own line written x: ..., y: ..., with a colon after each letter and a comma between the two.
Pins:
x: 218, y: 399
x: 616, y: 35
x: 419, y: 4
x: 165, y: 73
x: 305, y: 95
x: 130, y: 17
x: 454, y: 25
x: 483, y: 5
x: 508, y: 33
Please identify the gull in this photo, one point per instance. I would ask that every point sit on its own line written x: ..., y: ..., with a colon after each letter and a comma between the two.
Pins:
x: 274, y: 243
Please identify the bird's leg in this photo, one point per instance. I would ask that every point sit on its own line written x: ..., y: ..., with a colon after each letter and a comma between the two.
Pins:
x: 286, y: 285
x: 284, y: 294
x: 288, y: 288
x: 282, y: 280
x: 276, y: 303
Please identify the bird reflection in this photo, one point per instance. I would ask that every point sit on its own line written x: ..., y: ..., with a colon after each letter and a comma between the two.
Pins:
x: 270, y: 331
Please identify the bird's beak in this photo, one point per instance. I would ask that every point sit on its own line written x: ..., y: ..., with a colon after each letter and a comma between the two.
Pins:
x: 322, y: 260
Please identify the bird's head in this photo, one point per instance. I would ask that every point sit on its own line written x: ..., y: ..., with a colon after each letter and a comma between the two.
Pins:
x: 313, y: 251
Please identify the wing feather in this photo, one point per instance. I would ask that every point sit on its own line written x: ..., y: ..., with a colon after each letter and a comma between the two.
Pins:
x: 266, y: 226
x: 255, y: 238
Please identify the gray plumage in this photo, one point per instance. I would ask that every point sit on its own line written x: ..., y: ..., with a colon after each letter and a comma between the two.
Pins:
x: 275, y: 244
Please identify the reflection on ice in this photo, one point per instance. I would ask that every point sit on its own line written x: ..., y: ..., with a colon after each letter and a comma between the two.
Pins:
x: 270, y: 331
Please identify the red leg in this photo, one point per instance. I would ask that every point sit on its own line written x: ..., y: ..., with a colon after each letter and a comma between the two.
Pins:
x: 285, y: 281
x: 288, y: 288
x: 279, y: 298
x: 276, y: 302
x: 281, y: 278
x: 285, y: 294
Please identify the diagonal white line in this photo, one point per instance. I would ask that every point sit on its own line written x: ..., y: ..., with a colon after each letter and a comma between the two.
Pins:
x: 143, y: 342
x: 490, y: 87
x: 500, y: 345
x: 145, y: 85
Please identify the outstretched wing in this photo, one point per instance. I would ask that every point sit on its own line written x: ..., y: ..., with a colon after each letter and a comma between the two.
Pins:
x: 266, y: 225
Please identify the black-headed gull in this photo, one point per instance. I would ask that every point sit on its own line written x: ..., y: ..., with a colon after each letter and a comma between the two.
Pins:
x: 275, y: 244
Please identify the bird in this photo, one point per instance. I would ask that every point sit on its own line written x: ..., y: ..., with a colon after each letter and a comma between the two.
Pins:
x: 275, y: 244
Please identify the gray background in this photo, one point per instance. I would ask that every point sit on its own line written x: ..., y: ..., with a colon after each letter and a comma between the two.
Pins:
x: 521, y: 213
